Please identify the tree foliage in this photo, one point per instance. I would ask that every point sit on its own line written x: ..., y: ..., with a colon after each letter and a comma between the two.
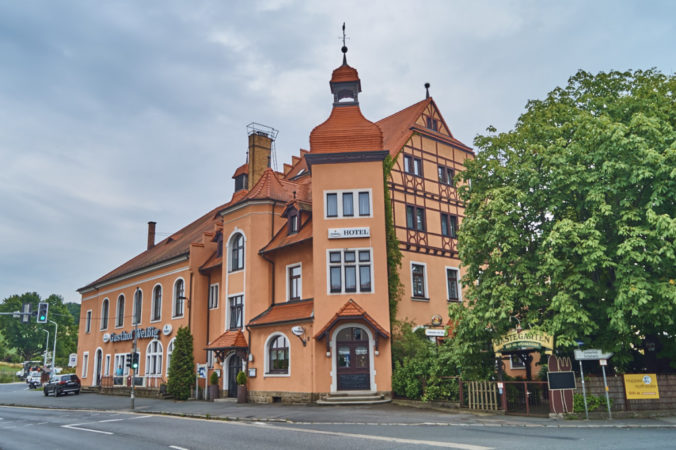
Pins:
x: 182, y: 366
x: 571, y: 220
x: 27, y: 338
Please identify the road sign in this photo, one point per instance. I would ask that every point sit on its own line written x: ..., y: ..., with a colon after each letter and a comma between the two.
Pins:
x: 435, y: 332
x: 201, y: 370
x: 591, y: 354
x: 72, y: 360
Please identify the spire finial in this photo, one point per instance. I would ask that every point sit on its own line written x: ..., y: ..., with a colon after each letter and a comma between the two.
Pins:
x: 427, y: 90
x: 344, y: 49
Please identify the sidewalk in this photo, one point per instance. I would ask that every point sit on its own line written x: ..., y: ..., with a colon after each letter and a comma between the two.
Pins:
x: 312, y: 414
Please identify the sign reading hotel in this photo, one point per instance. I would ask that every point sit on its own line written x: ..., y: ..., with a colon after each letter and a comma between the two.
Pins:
x: 143, y: 333
x: 523, y: 340
x: 349, y: 233
x: 641, y: 386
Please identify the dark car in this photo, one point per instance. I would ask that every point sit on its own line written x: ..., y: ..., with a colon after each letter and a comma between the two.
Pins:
x: 63, y: 384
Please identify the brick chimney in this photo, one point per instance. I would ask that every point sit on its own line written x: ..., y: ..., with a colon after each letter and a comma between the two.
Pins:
x: 260, y: 149
x: 151, y: 234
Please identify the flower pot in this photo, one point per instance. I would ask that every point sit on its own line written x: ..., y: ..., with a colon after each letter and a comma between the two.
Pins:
x: 241, y: 393
x: 213, y: 392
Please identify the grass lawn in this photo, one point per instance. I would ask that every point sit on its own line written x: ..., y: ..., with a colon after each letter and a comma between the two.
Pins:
x: 8, y: 372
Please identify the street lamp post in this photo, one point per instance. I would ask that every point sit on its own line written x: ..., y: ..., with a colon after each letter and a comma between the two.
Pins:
x: 44, y: 359
x: 56, y: 332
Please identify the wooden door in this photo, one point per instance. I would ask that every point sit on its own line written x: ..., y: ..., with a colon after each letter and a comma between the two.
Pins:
x: 352, y: 360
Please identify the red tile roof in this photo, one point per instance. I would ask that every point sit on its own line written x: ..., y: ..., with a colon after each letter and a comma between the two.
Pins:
x: 294, y: 311
x: 397, y: 127
x: 346, y: 130
x: 229, y: 339
x: 351, y: 310
x: 241, y: 170
x: 282, y: 239
x: 344, y: 73
x: 213, y: 262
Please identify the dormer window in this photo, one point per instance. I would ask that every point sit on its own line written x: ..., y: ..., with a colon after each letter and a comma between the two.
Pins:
x: 293, y: 222
x: 240, y: 182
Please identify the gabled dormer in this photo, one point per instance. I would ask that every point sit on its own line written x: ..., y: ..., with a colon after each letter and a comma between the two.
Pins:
x: 296, y: 212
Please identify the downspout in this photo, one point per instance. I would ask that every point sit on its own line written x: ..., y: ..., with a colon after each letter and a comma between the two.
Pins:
x: 208, y: 308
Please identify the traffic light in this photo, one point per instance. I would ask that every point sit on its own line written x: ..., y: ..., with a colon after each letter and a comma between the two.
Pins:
x: 43, y: 308
x: 127, y: 360
x: 134, y: 361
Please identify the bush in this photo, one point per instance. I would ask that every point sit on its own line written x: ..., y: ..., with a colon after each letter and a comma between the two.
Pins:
x: 594, y: 402
x: 213, y: 379
x: 241, y: 378
x: 182, y: 366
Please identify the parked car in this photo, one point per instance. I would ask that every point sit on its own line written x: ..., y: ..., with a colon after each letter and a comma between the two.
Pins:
x: 34, y: 379
x: 62, y: 384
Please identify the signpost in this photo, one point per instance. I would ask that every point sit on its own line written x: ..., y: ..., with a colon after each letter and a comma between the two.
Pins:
x: 594, y: 354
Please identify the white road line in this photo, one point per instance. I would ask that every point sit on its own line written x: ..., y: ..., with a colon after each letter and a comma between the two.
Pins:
x: 141, y: 417
x: 110, y: 420
x: 74, y: 426
x: 177, y: 447
x: 42, y: 423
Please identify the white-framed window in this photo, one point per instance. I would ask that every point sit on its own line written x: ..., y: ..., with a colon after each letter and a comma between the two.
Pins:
x: 154, y: 358
x: 170, y: 350
x: 515, y: 362
x: 349, y: 270
x: 277, y: 356
x: 419, y: 280
x: 119, y: 321
x: 453, y: 284
x: 213, y: 296
x: 179, y: 298
x: 120, y: 368
x: 294, y: 282
x: 138, y: 307
x: 236, y: 252
x: 106, y: 370
x: 85, y: 364
x: 236, y: 313
x: 88, y: 321
x: 105, y: 307
x: 352, y: 203
x: 210, y: 359
x: 156, y: 310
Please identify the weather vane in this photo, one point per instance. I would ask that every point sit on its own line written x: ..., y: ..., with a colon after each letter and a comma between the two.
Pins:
x: 344, y: 49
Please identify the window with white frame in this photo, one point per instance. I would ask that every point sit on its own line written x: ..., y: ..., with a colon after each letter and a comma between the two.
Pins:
x: 515, y: 362
x: 237, y: 252
x: 210, y: 359
x: 105, y: 306
x: 418, y: 280
x: 350, y: 270
x: 138, y: 306
x: 170, y: 350
x: 88, y: 321
x: 236, y: 312
x: 294, y: 282
x: 106, y: 371
x: 452, y: 285
x: 179, y: 297
x: 120, y: 312
x: 213, y: 296
x: 85, y: 364
x: 157, y: 303
x: 121, y: 368
x: 154, y: 358
x: 352, y: 203
x: 278, y: 355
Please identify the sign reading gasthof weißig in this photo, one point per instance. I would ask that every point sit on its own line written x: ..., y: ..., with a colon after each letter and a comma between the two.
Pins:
x: 641, y: 386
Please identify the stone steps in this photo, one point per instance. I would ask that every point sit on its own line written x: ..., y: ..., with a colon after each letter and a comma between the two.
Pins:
x: 353, y: 398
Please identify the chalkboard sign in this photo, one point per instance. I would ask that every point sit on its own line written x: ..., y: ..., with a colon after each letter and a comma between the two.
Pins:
x: 561, y: 380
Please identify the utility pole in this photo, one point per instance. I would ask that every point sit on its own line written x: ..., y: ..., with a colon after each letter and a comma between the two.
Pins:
x: 133, y: 355
x: 44, y: 360
x: 56, y: 332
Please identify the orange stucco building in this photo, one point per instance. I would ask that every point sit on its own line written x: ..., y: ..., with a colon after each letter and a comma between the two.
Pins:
x: 288, y: 280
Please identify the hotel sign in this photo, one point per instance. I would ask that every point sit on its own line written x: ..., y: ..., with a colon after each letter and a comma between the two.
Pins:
x: 523, y: 340
x: 142, y: 333
x: 349, y: 233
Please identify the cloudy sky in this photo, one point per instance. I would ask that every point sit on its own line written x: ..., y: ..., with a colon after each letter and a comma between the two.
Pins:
x: 114, y: 113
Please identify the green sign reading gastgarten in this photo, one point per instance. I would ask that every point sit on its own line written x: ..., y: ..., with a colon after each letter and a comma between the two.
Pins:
x: 524, y: 340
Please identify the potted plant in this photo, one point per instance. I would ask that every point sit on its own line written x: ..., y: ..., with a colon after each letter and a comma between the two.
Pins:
x: 241, y: 387
x: 213, y: 386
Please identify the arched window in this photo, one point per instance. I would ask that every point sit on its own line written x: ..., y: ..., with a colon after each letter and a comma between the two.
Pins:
x: 170, y: 350
x: 120, y: 311
x: 157, y: 303
x: 179, y: 296
x: 154, y: 358
x: 138, y: 306
x: 237, y: 252
x: 278, y: 355
x: 104, y: 313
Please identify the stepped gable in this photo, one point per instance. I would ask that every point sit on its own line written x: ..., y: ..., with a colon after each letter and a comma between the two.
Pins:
x: 178, y: 244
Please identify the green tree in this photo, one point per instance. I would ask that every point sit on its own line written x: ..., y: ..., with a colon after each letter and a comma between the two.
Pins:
x: 571, y: 221
x: 182, y: 366
x: 27, y: 339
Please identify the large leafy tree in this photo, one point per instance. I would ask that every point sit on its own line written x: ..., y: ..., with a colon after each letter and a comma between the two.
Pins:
x: 182, y: 366
x: 27, y: 338
x: 571, y: 221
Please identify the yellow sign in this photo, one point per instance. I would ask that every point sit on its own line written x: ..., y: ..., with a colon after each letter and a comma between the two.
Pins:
x: 524, y: 340
x: 641, y: 386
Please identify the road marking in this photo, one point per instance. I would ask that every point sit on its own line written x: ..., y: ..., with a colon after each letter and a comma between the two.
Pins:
x: 110, y: 420
x: 141, y: 417
x: 177, y: 447
x: 75, y: 426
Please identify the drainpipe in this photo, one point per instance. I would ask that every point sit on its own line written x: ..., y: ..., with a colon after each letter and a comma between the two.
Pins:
x: 208, y: 308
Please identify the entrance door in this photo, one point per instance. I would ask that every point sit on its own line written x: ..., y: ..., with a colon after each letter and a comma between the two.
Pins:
x: 234, y: 367
x: 354, y: 370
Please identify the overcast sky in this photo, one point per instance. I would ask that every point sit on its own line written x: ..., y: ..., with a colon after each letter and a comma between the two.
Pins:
x: 114, y: 113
